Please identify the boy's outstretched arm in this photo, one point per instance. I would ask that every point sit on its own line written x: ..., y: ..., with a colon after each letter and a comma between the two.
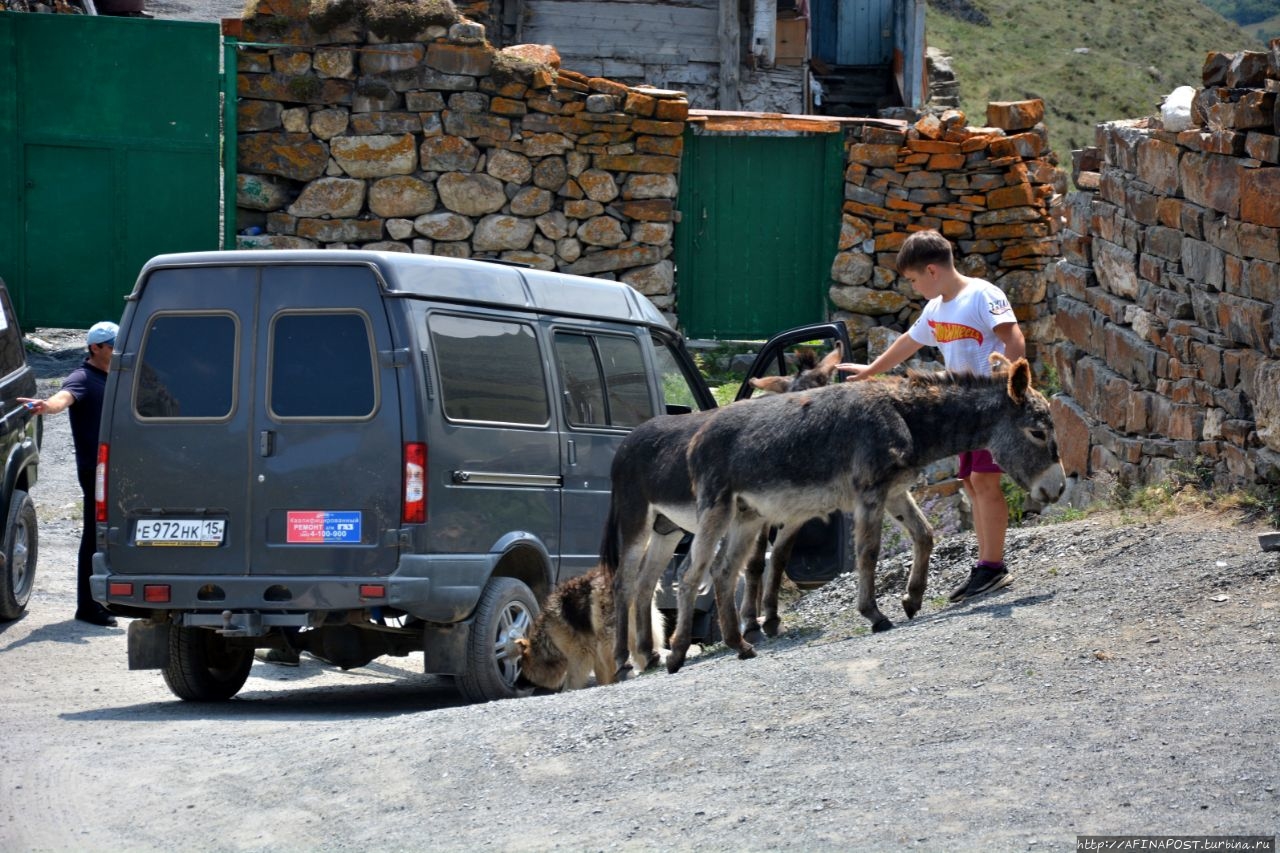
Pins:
x: 1015, y: 345
x: 899, y: 351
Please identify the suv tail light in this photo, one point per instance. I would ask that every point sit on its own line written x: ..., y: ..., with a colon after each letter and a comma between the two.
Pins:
x: 100, y: 484
x: 415, y: 483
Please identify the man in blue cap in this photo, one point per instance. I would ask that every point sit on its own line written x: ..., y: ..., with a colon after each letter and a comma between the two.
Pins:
x: 82, y: 392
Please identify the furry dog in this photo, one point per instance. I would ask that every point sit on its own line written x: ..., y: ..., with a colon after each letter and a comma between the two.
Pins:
x: 572, y: 636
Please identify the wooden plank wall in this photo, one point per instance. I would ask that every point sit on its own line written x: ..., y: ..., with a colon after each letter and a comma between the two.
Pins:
x: 668, y: 44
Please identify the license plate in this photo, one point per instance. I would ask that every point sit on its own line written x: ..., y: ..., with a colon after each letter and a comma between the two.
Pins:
x: 200, y: 532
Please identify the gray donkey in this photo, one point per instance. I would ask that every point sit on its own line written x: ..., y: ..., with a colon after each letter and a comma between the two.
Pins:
x: 652, y: 507
x: 855, y: 447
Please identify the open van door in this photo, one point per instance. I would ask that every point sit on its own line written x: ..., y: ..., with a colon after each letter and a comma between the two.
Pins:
x: 820, y: 549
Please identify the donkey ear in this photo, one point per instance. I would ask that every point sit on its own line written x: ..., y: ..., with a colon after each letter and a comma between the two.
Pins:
x: 1019, y: 381
x: 831, y: 359
x: 999, y: 362
x: 772, y: 384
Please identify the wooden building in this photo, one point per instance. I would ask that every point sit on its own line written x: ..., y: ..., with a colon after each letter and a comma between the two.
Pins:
x: 835, y: 57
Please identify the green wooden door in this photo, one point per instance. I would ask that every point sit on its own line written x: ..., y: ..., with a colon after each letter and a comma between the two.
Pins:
x: 759, y: 222
x: 110, y: 132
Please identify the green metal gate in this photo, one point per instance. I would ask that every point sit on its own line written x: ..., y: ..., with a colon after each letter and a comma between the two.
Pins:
x: 110, y: 140
x: 759, y: 223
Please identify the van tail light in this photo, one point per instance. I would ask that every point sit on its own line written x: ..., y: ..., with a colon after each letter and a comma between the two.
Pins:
x: 415, y: 483
x: 100, y: 484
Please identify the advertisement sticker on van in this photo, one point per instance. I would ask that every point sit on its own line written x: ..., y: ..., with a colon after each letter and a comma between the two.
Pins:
x: 325, y: 527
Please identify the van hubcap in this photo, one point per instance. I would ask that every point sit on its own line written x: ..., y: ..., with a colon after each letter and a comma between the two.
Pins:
x: 513, y: 624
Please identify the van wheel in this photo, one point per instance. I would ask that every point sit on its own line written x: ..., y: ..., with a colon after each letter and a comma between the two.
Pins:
x: 506, y: 612
x: 202, y: 667
x: 18, y: 574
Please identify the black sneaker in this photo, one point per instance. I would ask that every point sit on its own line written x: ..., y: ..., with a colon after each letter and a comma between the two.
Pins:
x: 100, y: 618
x: 982, y: 580
x: 280, y: 657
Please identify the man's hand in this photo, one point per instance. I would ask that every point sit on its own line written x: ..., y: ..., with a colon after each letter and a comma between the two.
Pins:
x: 59, y: 402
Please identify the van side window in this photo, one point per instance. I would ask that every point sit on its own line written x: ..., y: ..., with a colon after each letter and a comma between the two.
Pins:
x: 490, y: 370
x: 604, y: 380
x: 322, y: 366
x: 677, y: 390
x: 187, y: 367
x: 12, y: 355
x: 626, y: 379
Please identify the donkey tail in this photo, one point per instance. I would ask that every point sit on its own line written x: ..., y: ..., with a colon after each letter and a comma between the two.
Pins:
x: 610, y: 552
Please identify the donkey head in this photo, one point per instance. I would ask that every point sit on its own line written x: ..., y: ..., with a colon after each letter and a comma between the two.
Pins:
x: 812, y: 373
x: 1023, y: 443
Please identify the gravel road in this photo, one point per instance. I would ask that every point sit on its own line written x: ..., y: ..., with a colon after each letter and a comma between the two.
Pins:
x: 1126, y: 683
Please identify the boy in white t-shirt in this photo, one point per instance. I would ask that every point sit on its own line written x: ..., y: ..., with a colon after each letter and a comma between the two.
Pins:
x: 967, y: 319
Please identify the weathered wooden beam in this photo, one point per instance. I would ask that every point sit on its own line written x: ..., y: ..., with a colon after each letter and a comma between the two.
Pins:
x: 724, y: 121
x: 730, y: 60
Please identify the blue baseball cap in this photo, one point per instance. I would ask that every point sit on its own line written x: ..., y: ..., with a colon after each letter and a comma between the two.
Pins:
x: 102, y: 333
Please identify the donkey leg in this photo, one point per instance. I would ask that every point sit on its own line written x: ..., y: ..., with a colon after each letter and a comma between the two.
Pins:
x: 782, y: 545
x: 753, y: 573
x: 868, y: 516
x: 711, y: 527
x: 744, y: 534
x: 625, y: 582
x: 656, y: 558
x: 903, y: 508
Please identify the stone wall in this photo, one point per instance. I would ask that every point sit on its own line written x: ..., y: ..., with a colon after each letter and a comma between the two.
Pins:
x: 986, y: 188
x: 1169, y: 287
x: 417, y: 136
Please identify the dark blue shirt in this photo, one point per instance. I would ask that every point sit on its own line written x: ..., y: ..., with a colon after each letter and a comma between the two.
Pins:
x: 87, y: 384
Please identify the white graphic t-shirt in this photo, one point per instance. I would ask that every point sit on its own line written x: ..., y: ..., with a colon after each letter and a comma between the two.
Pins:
x: 964, y: 328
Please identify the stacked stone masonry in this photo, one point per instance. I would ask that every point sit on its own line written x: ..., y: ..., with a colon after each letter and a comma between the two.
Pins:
x: 430, y: 141
x: 1168, y: 291
x: 988, y: 189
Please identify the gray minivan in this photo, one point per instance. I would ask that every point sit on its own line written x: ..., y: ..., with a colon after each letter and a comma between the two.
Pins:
x: 358, y: 454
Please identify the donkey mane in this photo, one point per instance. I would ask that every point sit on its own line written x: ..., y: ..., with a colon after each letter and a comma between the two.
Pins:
x: 945, y: 378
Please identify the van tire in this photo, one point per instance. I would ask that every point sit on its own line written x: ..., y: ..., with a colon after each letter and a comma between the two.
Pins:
x: 202, y: 667
x: 21, y: 546
x: 506, y: 612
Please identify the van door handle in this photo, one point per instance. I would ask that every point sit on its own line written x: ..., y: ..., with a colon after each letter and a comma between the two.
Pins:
x: 266, y: 443
x: 572, y: 452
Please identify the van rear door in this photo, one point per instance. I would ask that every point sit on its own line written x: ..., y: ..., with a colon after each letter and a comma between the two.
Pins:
x: 327, y: 457
x: 252, y: 436
x: 176, y: 420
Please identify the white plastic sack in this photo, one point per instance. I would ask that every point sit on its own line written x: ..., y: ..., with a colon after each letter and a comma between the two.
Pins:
x: 1175, y: 112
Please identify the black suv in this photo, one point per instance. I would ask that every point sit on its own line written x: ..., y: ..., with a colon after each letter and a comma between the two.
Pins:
x: 20, y: 451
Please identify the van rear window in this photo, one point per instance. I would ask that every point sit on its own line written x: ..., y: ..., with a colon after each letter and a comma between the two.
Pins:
x: 322, y: 366
x: 188, y: 367
x: 490, y: 370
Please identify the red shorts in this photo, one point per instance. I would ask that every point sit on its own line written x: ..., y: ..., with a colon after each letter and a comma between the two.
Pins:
x: 977, y: 462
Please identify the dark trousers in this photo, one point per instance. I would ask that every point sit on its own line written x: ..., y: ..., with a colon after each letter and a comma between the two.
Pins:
x: 88, y: 544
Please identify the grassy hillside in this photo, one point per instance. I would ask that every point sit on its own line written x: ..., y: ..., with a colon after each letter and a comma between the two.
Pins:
x: 1258, y: 18
x: 1091, y: 61
x: 1266, y: 29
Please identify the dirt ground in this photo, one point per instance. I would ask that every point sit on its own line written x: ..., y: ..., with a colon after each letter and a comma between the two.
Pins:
x: 1126, y: 683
